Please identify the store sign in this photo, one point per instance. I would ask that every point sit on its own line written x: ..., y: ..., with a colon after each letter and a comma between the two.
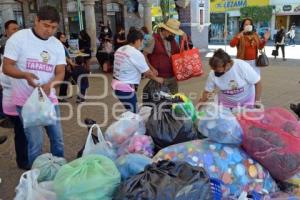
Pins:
x: 113, y: 7
x: 288, y: 9
x: 219, y: 6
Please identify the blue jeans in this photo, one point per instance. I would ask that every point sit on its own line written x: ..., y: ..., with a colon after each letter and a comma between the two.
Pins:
x: 2, y: 115
x: 128, y: 99
x: 35, y: 138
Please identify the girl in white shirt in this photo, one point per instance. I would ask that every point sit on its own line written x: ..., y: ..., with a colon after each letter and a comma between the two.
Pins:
x: 129, y: 65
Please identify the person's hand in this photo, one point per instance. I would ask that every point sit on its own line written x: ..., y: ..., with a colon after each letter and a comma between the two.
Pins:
x: 257, y: 104
x: 31, y: 79
x: 155, y: 72
x: 200, y: 104
x: 47, y: 88
x: 159, y: 80
x: 239, y: 35
x: 267, y: 35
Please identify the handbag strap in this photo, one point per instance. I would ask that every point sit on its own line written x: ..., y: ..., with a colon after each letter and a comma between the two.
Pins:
x: 184, y: 41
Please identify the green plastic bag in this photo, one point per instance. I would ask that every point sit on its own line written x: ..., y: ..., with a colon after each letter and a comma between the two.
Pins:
x: 185, y: 108
x: 90, y: 177
x: 48, y: 166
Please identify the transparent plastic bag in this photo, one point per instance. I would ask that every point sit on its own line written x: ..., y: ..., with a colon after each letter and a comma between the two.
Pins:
x: 228, y: 163
x: 140, y: 144
x: 132, y: 164
x: 30, y: 189
x: 38, y: 110
x: 128, y: 125
x: 221, y: 126
x: 101, y: 148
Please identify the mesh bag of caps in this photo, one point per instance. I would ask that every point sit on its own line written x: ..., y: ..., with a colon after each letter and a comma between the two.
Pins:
x: 272, y: 137
x: 238, y: 172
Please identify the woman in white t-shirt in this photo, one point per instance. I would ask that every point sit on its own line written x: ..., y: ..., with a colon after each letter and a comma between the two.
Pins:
x: 129, y: 65
x: 238, y: 85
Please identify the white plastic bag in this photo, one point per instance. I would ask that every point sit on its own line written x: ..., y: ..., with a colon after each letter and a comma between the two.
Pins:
x: 145, y: 112
x: 128, y: 125
x: 101, y: 148
x: 38, y: 110
x: 30, y: 189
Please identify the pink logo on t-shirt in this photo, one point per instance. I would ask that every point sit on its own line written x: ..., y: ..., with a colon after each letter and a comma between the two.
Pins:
x: 234, y: 91
x: 34, y: 64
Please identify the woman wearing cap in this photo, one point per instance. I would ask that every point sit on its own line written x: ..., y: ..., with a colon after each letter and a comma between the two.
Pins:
x: 248, y: 43
x: 159, y: 50
x: 238, y: 84
x: 129, y: 65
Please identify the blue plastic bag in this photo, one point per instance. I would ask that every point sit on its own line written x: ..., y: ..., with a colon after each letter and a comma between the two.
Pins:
x: 101, y: 148
x: 132, y: 164
x: 221, y: 126
x: 38, y: 110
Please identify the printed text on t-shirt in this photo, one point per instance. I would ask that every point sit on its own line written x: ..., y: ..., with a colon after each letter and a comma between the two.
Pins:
x: 234, y: 91
x: 119, y: 57
x: 34, y: 64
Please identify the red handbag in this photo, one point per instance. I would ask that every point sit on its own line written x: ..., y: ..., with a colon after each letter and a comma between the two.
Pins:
x: 187, y: 63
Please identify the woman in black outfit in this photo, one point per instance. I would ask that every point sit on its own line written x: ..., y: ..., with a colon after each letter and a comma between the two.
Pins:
x: 63, y: 90
x: 85, y: 45
x: 280, y: 42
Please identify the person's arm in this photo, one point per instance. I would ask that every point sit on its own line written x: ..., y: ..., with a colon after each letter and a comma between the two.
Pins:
x: 236, y: 39
x: 10, y: 69
x: 150, y: 74
x: 258, y: 89
x: 120, y: 41
x: 262, y: 42
x: 59, y: 76
x: 204, y: 97
x: 149, y: 64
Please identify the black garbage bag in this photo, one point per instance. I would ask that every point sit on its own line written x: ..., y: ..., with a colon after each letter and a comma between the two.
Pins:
x: 151, y: 92
x: 167, y: 129
x: 167, y: 180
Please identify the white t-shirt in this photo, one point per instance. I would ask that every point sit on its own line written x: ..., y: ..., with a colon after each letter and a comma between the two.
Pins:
x: 236, y: 85
x: 129, y: 65
x: 34, y: 55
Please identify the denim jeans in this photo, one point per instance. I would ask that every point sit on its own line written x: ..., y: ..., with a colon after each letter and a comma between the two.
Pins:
x: 128, y: 99
x: 35, y: 138
x: 2, y: 115
x: 20, y: 142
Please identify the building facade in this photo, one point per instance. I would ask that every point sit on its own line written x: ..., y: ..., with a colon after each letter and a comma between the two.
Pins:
x: 286, y: 13
x: 114, y: 13
x: 231, y: 8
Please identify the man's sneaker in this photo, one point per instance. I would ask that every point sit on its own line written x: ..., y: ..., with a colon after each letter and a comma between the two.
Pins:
x: 3, y: 139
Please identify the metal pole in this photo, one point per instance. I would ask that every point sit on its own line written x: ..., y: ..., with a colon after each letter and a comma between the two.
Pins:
x: 225, y: 25
x: 79, y: 15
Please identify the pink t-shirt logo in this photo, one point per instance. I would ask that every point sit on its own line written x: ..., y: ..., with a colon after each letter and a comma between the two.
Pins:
x: 34, y: 64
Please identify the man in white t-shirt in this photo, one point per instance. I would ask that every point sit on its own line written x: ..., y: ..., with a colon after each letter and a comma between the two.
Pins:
x: 33, y: 57
x: 238, y: 84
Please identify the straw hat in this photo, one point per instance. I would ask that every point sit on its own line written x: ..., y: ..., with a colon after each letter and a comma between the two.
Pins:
x: 172, y: 25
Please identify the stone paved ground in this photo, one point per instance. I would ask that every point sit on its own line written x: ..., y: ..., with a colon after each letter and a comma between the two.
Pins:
x: 280, y: 87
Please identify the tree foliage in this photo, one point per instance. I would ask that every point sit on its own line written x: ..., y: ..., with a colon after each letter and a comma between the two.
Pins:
x: 257, y: 13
